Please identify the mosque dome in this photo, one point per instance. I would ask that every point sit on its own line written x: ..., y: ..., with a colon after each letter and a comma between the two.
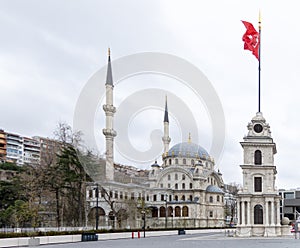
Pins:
x: 188, y: 149
x: 214, y: 189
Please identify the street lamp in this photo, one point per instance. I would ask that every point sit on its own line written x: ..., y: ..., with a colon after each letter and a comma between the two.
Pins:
x: 97, y: 205
x: 144, y: 219
x: 166, y: 225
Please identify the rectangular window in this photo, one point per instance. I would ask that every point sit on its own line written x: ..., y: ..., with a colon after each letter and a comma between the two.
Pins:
x: 257, y: 184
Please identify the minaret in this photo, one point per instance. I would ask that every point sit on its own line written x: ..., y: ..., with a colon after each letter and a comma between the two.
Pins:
x: 108, y: 131
x: 166, y: 138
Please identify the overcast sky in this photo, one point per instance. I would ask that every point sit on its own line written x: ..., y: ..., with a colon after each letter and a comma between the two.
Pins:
x: 50, y: 49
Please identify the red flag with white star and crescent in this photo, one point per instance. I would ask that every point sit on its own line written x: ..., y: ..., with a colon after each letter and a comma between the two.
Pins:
x: 251, y: 39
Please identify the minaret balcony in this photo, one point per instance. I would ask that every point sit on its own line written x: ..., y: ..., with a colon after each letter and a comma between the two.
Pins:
x: 109, y: 132
x: 108, y: 108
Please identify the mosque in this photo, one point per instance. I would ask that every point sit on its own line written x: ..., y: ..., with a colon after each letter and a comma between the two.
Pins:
x: 184, y: 191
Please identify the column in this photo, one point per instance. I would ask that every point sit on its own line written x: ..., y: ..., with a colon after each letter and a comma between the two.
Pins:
x: 238, y: 211
x: 243, y: 213
x: 248, y: 213
x: 278, y: 212
x: 267, y: 213
x: 272, y: 213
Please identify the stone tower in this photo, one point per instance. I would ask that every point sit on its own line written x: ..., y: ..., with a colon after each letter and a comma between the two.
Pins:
x: 258, y: 201
x: 166, y: 138
x: 108, y: 131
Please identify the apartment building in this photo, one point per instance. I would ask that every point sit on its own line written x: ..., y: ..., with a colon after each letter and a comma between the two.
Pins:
x: 14, y: 148
x: 2, y: 146
x: 290, y: 203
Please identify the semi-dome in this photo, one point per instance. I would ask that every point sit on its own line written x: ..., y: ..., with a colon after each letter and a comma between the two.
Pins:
x: 188, y: 149
x: 214, y: 189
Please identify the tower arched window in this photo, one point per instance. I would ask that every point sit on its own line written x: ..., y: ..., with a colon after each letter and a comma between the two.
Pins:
x: 258, y: 214
x: 170, y: 161
x: 191, y: 185
x: 257, y: 157
x: 257, y: 184
x: 211, y: 199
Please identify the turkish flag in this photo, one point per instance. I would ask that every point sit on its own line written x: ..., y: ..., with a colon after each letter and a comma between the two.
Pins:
x: 251, y: 39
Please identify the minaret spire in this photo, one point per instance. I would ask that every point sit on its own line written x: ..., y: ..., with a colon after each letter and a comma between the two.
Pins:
x: 166, y: 118
x: 166, y: 138
x: 109, y: 78
x: 108, y: 131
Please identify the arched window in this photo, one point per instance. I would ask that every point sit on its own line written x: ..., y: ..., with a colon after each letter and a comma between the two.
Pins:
x: 184, y: 161
x: 176, y: 197
x: 154, y: 212
x: 191, y: 198
x: 183, y: 198
x: 170, y: 211
x: 211, y: 199
x: 218, y: 198
x: 176, y: 185
x: 176, y: 160
x: 169, y: 177
x: 176, y: 176
x: 170, y: 161
x: 257, y: 157
x: 162, y: 212
x: 183, y: 186
x: 183, y: 177
x: 192, y: 162
x: 177, y: 212
x: 258, y: 214
x: 185, y: 211
x: 191, y: 185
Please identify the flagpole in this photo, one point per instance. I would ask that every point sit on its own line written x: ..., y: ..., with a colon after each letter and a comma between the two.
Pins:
x: 259, y: 56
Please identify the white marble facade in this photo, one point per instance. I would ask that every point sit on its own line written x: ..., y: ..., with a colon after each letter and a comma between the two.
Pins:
x: 258, y: 200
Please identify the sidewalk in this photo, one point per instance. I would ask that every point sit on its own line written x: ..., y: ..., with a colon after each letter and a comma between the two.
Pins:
x: 43, y: 240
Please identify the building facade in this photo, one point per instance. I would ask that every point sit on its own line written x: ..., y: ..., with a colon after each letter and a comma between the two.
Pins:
x: 184, y: 191
x: 290, y: 204
x: 3, y: 145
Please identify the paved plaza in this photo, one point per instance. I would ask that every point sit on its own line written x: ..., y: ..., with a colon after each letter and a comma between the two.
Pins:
x: 207, y: 240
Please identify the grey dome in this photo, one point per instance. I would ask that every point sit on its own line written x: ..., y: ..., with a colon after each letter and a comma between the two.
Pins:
x: 187, y: 149
x: 214, y: 189
x: 155, y: 164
